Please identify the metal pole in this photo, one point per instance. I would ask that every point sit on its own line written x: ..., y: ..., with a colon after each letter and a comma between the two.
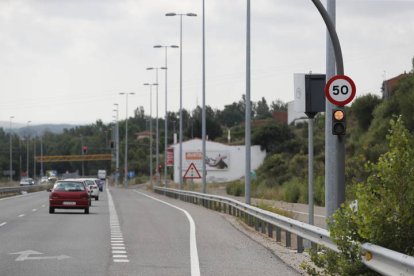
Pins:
x: 117, y: 146
x: 248, y: 112
x: 11, y: 154
x: 34, y: 157
x: 126, y: 145
x: 150, y: 148
x: 203, y: 115
x: 166, y: 124
x: 180, y: 174
x: 27, y: 157
x: 157, y: 135
x: 334, y: 146
x: 82, y: 154
x: 41, y: 156
x: 310, y: 170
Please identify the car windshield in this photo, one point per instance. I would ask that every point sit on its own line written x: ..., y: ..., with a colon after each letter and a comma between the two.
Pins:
x: 69, y: 187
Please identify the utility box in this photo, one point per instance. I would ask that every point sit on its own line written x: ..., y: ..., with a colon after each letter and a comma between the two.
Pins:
x: 309, y: 93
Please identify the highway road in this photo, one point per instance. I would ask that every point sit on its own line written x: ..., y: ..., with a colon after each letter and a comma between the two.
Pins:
x: 128, y: 232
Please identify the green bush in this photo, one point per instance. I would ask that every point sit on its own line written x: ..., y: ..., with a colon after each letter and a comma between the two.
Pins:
x: 292, y: 190
x: 383, y: 215
x: 235, y: 188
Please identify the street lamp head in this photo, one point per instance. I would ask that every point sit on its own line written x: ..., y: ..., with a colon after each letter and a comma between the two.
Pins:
x: 191, y: 14
x: 170, y: 14
x: 174, y: 46
x: 163, y: 68
x: 121, y: 93
x: 155, y: 84
x: 150, y: 68
x: 157, y: 46
x: 116, y: 104
x: 147, y: 83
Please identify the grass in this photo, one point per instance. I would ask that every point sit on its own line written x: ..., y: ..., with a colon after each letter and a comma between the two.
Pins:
x: 275, y: 210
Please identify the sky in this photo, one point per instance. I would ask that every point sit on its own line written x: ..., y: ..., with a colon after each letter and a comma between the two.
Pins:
x: 66, y: 61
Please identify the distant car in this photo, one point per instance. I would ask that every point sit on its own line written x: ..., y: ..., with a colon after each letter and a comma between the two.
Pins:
x: 44, y: 179
x: 92, y: 184
x: 69, y: 194
x: 26, y: 181
x: 101, y: 183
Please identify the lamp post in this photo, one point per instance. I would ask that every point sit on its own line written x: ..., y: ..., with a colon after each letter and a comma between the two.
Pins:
x: 116, y: 145
x: 11, y: 154
x: 166, y: 111
x: 27, y: 149
x: 156, y: 123
x: 126, y: 138
x: 150, y: 86
x: 181, y: 90
x: 203, y: 114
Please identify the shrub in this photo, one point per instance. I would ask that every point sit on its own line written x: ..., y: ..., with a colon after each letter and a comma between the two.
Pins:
x: 383, y: 215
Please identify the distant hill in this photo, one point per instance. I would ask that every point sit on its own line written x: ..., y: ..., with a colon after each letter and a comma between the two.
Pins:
x: 35, y: 130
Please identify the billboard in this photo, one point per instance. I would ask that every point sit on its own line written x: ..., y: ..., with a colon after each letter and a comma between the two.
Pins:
x: 215, y: 160
x: 170, y: 157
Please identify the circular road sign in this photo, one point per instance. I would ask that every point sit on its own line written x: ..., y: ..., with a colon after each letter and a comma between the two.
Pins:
x: 340, y: 90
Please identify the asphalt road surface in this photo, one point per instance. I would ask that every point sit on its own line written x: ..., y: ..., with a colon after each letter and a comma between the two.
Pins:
x: 128, y: 232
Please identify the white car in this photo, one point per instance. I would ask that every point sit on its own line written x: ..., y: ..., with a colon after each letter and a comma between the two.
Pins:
x: 26, y: 181
x: 93, y: 187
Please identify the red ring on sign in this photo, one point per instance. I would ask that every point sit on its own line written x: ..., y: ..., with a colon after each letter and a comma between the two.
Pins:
x: 353, y: 90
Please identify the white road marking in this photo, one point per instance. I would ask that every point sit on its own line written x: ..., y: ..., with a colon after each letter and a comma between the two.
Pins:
x: 119, y: 253
x: 43, y: 205
x: 22, y: 215
x: 195, y: 264
x: 3, y: 223
x: 121, y: 261
x: 25, y: 255
x: 34, y: 210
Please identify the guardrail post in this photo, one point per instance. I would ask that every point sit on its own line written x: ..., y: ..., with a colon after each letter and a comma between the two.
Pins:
x: 300, y: 244
x: 263, y: 227
x: 270, y: 230
x: 288, y: 239
x: 256, y: 224
x: 278, y: 234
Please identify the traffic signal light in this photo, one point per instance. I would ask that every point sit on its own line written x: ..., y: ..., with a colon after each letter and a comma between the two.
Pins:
x: 84, y: 149
x: 338, y: 122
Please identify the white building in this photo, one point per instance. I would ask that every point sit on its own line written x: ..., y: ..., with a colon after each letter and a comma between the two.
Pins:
x: 223, y: 162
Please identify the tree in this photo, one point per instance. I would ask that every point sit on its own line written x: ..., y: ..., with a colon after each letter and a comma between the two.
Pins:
x: 213, y: 128
x: 262, y: 109
x: 363, y: 110
x: 278, y: 105
x: 383, y: 213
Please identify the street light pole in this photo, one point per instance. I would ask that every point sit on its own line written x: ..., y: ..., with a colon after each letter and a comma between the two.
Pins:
x: 247, y: 123
x: 126, y: 138
x: 166, y: 111
x: 156, y: 126
x: 203, y: 114
x: 27, y: 147
x: 181, y: 91
x: 117, y: 145
x: 151, y: 157
x: 11, y: 154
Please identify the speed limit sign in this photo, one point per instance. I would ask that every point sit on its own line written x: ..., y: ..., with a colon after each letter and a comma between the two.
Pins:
x: 340, y: 90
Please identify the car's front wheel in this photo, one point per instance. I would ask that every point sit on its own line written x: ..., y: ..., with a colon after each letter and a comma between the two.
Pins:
x: 51, y: 210
x: 87, y: 210
x: 97, y: 198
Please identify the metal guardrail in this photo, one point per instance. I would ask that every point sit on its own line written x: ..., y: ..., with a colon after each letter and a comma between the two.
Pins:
x: 387, y: 262
x: 380, y: 259
x: 261, y: 219
x: 19, y: 189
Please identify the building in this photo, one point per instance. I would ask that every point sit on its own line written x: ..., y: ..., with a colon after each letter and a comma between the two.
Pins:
x: 223, y: 162
x: 388, y: 86
x: 294, y: 116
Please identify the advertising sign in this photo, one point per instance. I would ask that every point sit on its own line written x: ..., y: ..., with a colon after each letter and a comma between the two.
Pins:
x: 215, y: 160
x: 170, y: 157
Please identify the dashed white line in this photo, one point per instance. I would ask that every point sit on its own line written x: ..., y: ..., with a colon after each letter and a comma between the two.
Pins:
x: 21, y: 215
x: 3, y: 223
x: 34, y: 210
x: 119, y: 253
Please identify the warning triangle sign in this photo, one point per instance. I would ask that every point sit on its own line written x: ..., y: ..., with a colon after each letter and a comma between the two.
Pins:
x: 192, y: 172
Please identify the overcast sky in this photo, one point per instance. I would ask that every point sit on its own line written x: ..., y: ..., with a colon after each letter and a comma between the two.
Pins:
x: 65, y: 61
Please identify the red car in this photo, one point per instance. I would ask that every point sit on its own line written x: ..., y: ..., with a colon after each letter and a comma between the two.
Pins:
x: 69, y: 194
